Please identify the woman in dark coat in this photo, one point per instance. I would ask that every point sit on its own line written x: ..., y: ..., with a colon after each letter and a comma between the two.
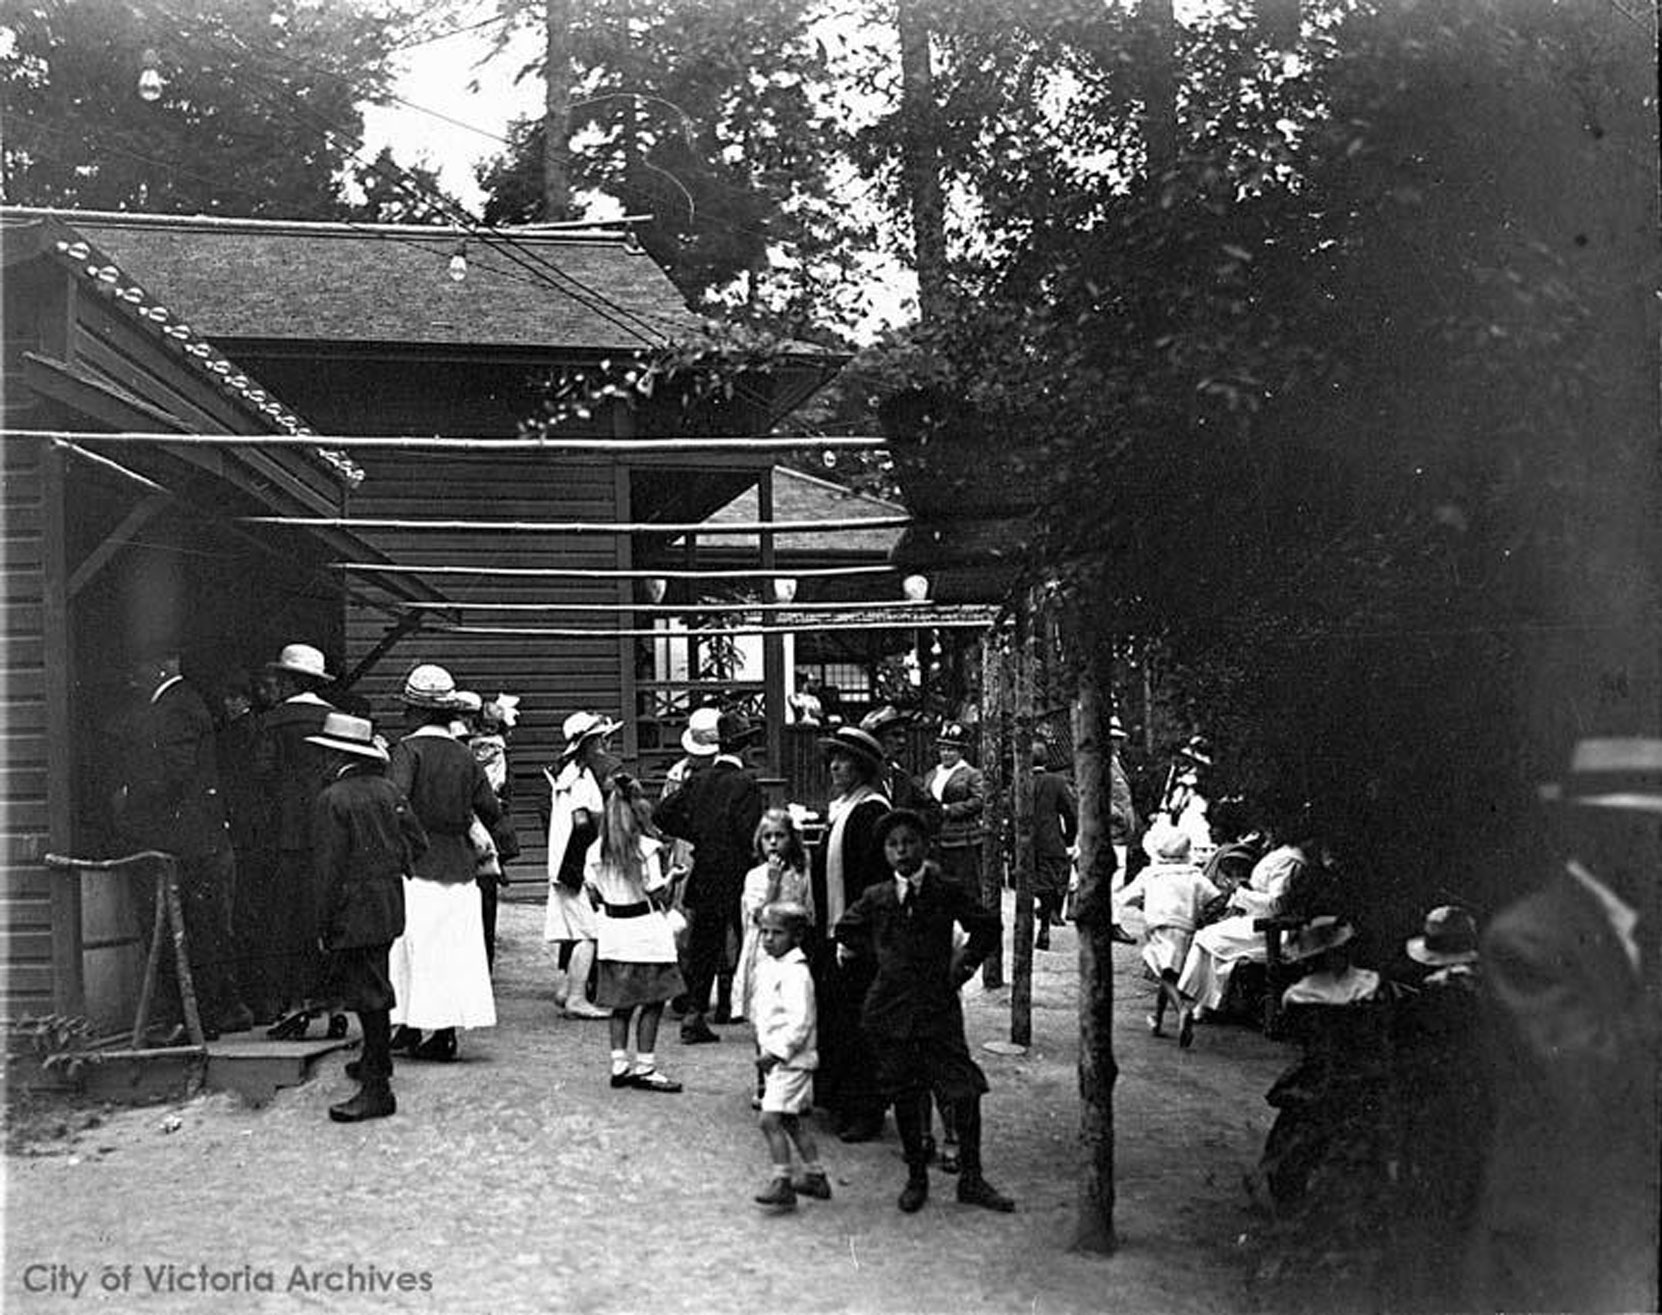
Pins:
x: 365, y: 841
x: 438, y: 964
x: 843, y: 864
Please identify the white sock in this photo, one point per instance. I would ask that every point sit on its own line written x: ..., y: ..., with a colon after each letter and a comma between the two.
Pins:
x: 620, y: 1061
x: 646, y: 1061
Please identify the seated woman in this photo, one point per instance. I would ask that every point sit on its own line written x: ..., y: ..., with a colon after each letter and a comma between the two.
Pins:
x: 1233, y: 940
x: 1332, y: 1101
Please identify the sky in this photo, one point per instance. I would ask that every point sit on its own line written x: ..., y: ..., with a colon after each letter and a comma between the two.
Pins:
x: 454, y: 106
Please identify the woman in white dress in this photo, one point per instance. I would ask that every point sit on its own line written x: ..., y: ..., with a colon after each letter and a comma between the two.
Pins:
x: 1218, y: 948
x: 438, y: 967
x: 576, y: 799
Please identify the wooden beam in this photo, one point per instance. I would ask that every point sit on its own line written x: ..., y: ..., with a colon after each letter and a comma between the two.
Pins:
x: 439, y: 443
x: 405, y: 625
x: 606, y: 573
x: 135, y: 520
x: 68, y: 972
x: 704, y: 528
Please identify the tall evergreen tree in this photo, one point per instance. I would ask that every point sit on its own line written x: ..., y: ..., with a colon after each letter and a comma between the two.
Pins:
x: 257, y: 112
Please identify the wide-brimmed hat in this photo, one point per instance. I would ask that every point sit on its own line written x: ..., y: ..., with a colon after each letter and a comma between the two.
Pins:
x: 856, y: 742
x: 735, y: 730
x: 429, y: 686
x: 301, y: 660
x: 348, y: 734
x: 880, y: 719
x: 700, y: 739
x: 1450, y: 938
x: 1624, y: 773
x: 582, y: 726
x: 1324, y: 933
x: 954, y: 733
x: 1198, y: 750
x: 467, y: 702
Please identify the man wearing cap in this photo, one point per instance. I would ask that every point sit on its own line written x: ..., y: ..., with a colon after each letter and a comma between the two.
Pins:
x: 1568, y: 1213
x: 282, y: 918
x: 961, y: 792
x: 169, y: 800
x: 718, y: 811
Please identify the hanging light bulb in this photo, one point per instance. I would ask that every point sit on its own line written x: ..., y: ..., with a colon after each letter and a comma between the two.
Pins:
x: 458, y: 263
x: 150, y: 81
x: 784, y: 589
x: 915, y: 588
x: 829, y: 457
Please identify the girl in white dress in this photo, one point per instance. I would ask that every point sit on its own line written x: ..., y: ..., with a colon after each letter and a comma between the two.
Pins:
x: 782, y: 875
x: 575, y: 804
x: 626, y: 884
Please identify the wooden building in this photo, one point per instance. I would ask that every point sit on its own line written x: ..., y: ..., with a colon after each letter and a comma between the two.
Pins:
x: 108, y: 553
x: 204, y: 326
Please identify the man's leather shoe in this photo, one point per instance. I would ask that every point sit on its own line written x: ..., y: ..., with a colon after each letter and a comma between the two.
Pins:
x: 916, y: 1191
x: 973, y: 1189
x: 373, y: 1101
x: 697, y: 1034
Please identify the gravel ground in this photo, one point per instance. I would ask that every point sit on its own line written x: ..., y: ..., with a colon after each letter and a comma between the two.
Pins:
x: 517, y: 1180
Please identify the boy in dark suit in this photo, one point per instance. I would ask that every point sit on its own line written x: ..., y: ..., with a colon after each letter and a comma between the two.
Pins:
x: 365, y: 839
x: 912, y: 1017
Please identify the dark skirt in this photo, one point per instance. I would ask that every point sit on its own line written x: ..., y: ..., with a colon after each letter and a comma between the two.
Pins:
x: 625, y: 985
x: 358, y: 979
x: 1050, y: 875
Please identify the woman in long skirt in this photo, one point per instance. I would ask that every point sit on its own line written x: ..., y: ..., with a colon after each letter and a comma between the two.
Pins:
x: 438, y: 965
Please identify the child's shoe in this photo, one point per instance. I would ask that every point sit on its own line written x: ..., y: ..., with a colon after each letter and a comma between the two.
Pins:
x: 816, y: 1185
x: 779, y: 1194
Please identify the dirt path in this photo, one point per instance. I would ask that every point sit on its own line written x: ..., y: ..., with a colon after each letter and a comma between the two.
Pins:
x: 517, y: 1180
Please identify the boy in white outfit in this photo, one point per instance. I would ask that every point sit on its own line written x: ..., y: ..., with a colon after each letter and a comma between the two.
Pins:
x: 1172, y: 891
x: 787, y: 1037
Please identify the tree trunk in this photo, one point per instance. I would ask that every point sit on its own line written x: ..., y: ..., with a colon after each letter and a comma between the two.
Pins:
x: 1159, y: 85
x: 556, y: 121
x: 921, y: 163
x: 992, y: 856
x: 1020, y: 766
x: 1094, y: 918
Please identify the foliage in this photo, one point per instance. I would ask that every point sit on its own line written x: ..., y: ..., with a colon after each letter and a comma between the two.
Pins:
x: 705, y: 117
x: 56, y: 1040
x: 1284, y: 405
x: 258, y: 114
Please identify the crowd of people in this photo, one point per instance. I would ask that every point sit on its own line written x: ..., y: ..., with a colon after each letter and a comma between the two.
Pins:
x: 1484, y: 1100
x: 337, y: 870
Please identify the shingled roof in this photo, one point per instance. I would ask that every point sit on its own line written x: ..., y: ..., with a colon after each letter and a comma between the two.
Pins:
x: 801, y: 497
x: 283, y: 281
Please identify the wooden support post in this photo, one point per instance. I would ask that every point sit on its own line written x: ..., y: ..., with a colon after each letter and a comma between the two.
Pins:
x: 1019, y: 766
x: 773, y: 646
x: 68, y: 970
x: 1094, y: 918
x: 992, y: 857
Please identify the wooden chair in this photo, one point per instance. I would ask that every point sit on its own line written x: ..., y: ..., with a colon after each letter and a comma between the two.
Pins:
x: 1278, y: 972
x: 170, y: 920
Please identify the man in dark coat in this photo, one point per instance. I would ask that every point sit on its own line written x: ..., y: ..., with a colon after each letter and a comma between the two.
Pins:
x: 365, y: 840
x: 1055, y: 824
x: 1567, y: 1216
x: 169, y: 800
x: 888, y: 725
x: 912, y: 1017
x: 292, y: 771
x: 718, y: 811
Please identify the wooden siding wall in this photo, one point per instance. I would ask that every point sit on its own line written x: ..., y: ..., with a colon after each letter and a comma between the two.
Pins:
x: 554, y: 677
x: 25, y: 893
